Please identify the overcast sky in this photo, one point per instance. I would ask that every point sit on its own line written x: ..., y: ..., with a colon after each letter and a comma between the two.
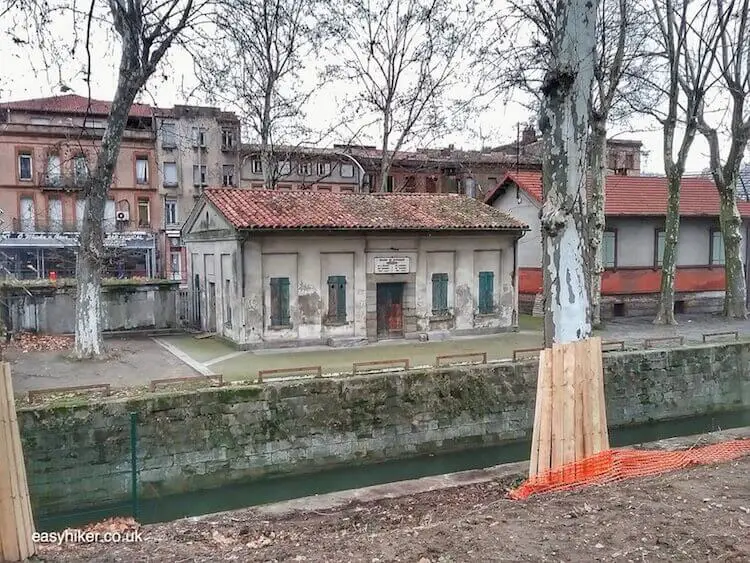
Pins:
x: 22, y: 78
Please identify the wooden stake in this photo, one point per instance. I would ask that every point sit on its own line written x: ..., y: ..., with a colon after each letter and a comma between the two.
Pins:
x: 581, y: 357
x: 539, y: 406
x: 598, y: 370
x: 558, y: 407
x: 545, y: 427
x: 569, y: 398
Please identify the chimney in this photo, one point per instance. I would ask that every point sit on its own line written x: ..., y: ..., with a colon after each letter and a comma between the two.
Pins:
x: 529, y: 135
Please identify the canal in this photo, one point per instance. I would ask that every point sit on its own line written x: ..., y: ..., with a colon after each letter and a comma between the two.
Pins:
x: 277, y: 489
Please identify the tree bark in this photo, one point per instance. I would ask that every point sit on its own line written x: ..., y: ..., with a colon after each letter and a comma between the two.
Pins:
x: 564, y: 124
x: 734, y: 273
x: 665, y: 314
x: 597, y: 218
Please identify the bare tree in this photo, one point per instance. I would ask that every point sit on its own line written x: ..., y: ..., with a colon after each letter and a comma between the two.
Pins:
x: 733, y: 65
x: 255, y: 65
x: 687, y: 38
x: 564, y: 123
x: 405, y: 57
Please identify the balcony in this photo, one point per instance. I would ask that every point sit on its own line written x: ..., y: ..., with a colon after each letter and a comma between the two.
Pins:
x: 44, y: 226
x: 61, y: 181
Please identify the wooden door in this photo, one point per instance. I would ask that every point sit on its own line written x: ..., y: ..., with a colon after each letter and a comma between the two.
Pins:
x: 390, y: 310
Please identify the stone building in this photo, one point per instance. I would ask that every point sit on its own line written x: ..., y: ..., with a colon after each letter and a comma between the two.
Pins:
x: 273, y: 267
x: 633, y: 243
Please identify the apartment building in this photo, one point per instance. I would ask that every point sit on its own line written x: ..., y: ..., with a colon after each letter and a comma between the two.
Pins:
x: 196, y: 147
x: 47, y: 147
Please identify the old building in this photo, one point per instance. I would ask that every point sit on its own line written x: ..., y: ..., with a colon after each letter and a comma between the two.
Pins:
x: 270, y: 267
x: 633, y: 243
x: 196, y: 147
x: 47, y: 147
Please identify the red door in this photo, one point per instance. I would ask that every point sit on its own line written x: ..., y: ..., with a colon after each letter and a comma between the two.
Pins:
x: 390, y: 298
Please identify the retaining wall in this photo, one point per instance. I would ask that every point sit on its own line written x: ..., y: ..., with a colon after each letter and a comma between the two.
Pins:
x: 79, y: 456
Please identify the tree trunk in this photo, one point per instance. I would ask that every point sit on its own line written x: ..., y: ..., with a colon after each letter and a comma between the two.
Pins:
x: 597, y: 217
x: 88, y: 317
x: 665, y: 314
x: 267, y: 168
x: 734, y: 273
x: 564, y: 124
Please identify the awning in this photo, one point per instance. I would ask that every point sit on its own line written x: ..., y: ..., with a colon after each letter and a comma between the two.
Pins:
x: 134, y: 240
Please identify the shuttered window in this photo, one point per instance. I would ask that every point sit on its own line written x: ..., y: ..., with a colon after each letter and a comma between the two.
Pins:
x: 609, y: 249
x: 337, y: 298
x: 279, y: 301
x: 486, y: 289
x: 439, y: 294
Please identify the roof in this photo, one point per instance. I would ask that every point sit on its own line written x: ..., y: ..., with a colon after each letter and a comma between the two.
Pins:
x: 271, y: 209
x: 72, y: 104
x: 636, y: 195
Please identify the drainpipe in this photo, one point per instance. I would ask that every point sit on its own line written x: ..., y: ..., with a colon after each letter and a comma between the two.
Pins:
x: 243, y: 237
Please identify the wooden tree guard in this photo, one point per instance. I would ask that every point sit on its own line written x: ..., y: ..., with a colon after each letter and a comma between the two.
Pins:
x: 570, y: 420
x: 16, y: 524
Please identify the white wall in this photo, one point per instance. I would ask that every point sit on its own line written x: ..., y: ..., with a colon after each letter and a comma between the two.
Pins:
x: 527, y: 211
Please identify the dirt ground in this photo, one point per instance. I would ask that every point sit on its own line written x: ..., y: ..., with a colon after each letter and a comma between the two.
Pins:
x: 41, y: 363
x: 702, y: 514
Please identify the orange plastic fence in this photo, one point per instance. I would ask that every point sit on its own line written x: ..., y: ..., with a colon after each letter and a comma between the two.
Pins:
x: 616, y: 465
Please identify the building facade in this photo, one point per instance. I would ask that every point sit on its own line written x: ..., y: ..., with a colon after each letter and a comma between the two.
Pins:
x: 633, y: 243
x: 274, y: 267
x: 47, y: 148
x: 196, y: 147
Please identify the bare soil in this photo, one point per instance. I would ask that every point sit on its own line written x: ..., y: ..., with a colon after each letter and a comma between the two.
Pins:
x: 702, y: 514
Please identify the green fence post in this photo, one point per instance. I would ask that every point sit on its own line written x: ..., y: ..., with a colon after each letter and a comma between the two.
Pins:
x: 133, y: 463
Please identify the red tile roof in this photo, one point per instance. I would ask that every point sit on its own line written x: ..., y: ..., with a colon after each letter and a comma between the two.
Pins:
x: 72, y: 104
x: 637, y: 195
x: 270, y: 209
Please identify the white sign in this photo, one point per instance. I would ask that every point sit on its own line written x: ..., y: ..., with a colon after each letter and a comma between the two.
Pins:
x: 391, y: 265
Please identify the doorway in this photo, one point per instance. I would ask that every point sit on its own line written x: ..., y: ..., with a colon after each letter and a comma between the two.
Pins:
x: 390, y: 310
x: 211, y: 307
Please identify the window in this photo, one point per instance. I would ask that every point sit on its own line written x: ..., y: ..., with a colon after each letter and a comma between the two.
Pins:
x: 53, y: 170
x: 80, y: 210
x: 227, y: 139
x: 170, y: 173
x: 228, y: 303
x: 347, y: 171
x: 24, y: 166
x: 80, y: 169
x: 256, y: 166
x: 629, y: 161
x: 227, y: 175
x: 486, y: 290
x: 199, y: 175
x: 168, y: 134
x: 324, y: 168
x: 54, y: 215
x: 28, y: 214
x: 609, y: 249
x: 144, y: 212
x: 411, y: 183
x: 492, y: 181
x: 439, y: 294
x: 285, y: 167
x: 659, y: 247
x: 110, y: 215
x: 337, y: 299
x: 389, y: 184
x: 717, y: 248
x: 170, y: 211
x: 279, y: 301
x: 141, y: 170
x: 199, y: 137
x: 305, y: 169
x: 175, y: 265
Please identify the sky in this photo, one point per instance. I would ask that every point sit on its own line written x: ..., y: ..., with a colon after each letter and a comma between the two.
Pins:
x: 171, y: 85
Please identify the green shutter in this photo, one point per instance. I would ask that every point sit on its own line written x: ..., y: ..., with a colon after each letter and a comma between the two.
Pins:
x: 439, y: 294
x: 279, y: 301
x: 337, y: 298
x: 486, y: 289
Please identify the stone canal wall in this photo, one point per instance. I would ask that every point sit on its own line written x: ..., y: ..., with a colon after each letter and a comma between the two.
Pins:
x: 79, y: 456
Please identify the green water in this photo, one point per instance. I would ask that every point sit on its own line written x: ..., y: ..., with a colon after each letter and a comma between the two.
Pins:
x: 290, y: 487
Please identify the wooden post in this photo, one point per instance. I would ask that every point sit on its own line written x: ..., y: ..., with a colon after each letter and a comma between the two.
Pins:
x: 570, y: 421
x: 16, y: 523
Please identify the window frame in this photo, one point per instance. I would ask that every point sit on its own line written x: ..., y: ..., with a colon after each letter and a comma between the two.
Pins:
x: 614, y: 253
x: 349, y: 166
x: 147, y: 201
x: 25, y: 153
x: 284, y: 167
x: 202, y: 175
x: 657, y: 231
x: 713, y: 232
x: 166, y: 143
x: 145, y: 180
x: 50, y: 227
x: 336, y: 300
x: 176, y: 181
x: 170, y: 203
x: 440, y: 282
x: 172, y: 271
x: 227, y: 303
x: 32, y: 225
x: 483, y: 307
x: 324, y: 169
x: 256, y: 166
x: 227, y: 181
x: 279, y: 302
x: 81, y: 176
x: 227, y: 134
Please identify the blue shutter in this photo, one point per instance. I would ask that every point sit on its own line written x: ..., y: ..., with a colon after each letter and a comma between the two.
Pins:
x: 439, y: 294
x: 279, y: 301
x: 486, y: 289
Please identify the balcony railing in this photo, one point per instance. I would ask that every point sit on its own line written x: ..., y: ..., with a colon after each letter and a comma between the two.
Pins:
x: 44, y: 226
x: 61, y: 181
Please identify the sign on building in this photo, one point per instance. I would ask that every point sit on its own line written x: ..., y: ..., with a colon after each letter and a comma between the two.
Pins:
x: 391, y: 265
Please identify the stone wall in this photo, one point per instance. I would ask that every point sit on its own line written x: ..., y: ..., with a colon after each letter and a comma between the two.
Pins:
x: 79, y: 456
x: 126, y: 304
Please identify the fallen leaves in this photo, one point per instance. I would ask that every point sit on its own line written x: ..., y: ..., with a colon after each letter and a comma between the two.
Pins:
x: 120, y: 524
x: 26, y: 342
